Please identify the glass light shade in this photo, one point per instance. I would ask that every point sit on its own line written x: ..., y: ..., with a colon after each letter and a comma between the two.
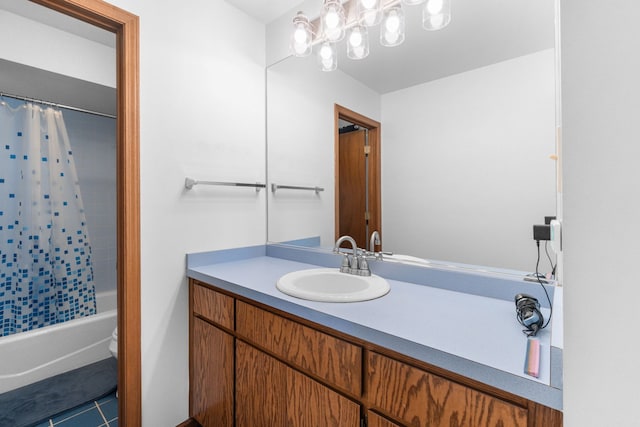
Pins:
x: 412, y: 2
x: 302, y: 36
x: 358, y: 42
x: 369, y: 12
x: 333, y: 20
x: 436, y: 14
x: 392, y: 27
x: 327, y: 57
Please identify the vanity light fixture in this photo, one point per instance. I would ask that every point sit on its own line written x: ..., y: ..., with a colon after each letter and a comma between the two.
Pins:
x: 352, y: 18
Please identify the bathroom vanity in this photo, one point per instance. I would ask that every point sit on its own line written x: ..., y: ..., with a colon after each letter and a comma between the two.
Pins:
x: 262, y: 358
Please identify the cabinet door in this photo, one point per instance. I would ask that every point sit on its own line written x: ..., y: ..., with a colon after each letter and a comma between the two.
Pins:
x: 422, y: 399
x: 211, y: 375
x: 269, y: 393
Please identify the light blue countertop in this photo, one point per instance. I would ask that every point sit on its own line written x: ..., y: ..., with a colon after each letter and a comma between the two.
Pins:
x: 463, y: 326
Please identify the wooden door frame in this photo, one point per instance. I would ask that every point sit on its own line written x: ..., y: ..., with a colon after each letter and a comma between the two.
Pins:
x: 375, y: 197
x: 126, y: 27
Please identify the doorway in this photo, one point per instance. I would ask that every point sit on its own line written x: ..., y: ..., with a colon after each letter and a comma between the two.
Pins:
x: 126, y: 27
x: 357, y: 176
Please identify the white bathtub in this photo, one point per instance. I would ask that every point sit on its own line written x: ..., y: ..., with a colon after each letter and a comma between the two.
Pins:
x: 32, y: 356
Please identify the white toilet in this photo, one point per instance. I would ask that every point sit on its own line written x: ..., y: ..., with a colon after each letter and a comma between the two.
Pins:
x: 113, y: 345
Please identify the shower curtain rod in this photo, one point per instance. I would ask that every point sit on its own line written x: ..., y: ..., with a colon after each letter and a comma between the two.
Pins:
x: 53, y: 104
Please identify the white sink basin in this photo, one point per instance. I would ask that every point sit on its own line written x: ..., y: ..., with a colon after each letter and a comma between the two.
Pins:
x: 330, y: 285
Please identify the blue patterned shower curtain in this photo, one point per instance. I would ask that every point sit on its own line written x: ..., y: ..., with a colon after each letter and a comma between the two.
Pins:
x: 46, y: 276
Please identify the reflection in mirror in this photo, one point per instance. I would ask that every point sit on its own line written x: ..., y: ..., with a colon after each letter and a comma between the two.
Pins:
x: 467, y: 151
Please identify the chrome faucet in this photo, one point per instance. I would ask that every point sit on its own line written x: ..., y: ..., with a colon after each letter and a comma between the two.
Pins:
x: 375, y: 240
x: 354, y: 264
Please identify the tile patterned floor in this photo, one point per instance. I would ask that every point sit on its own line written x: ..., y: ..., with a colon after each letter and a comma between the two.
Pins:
x: 99, y: 413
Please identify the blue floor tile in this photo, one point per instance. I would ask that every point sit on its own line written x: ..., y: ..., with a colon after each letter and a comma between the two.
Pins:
x: 109, y: 408
x: 72, y: 412
x: 90, y: 418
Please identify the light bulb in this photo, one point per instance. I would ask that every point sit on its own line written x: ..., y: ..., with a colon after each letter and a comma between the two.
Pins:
x: 368, y: 4
x: 302, y: 36
x: 358, y: 46
x: 369, y: 12
x: 436, y: 21
x: 436, y: 14
x: 355, y: 39
x: 434, y: 6
x: 392, y: 24
x: 331, y: 19
x: 327, y: 57
x: 392, y: 30
x: 326, y: 52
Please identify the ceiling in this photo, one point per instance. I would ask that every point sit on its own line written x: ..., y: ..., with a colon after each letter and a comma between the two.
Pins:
x: 266, y: 11
x: 58, y: 20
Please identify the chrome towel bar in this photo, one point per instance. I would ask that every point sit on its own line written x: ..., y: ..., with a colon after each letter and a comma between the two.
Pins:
x: 190, y: 182
x: 275, y: 187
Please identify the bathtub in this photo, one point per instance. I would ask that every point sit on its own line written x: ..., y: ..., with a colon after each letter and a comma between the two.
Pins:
x: 32, y: 356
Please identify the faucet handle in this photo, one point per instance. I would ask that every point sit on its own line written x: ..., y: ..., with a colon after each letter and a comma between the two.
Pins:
x: 346, y: 264
x: 363, y: 267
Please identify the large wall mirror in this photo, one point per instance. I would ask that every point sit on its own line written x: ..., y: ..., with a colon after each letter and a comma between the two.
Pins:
x: 467, y: 136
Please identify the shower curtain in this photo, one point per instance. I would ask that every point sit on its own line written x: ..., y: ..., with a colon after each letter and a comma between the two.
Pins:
x: 46, y: 276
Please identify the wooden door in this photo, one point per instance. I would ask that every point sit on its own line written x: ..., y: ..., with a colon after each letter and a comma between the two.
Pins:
x: 212, y: 379
x: 269, y: 393
x: 260, y: 388
x: 352, y: 187
x: 356, y: 182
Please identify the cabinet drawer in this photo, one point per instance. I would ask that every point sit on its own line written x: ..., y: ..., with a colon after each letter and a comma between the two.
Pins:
x: 331, y: 359
x: 419, y: 398
x: 212, y: 305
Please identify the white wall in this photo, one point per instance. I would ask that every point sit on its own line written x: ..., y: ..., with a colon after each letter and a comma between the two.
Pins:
x: 300, y: 133
x: 55, y: 50
x: 479, y: 174
x: 601, y: 107
x: 202, y: 115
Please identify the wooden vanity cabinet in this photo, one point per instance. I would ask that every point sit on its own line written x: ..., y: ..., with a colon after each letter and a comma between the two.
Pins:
x: 250, y: 366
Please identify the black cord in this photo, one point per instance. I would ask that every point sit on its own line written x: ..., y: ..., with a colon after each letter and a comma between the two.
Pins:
x: 543, y: 288
x: 553, y: 266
